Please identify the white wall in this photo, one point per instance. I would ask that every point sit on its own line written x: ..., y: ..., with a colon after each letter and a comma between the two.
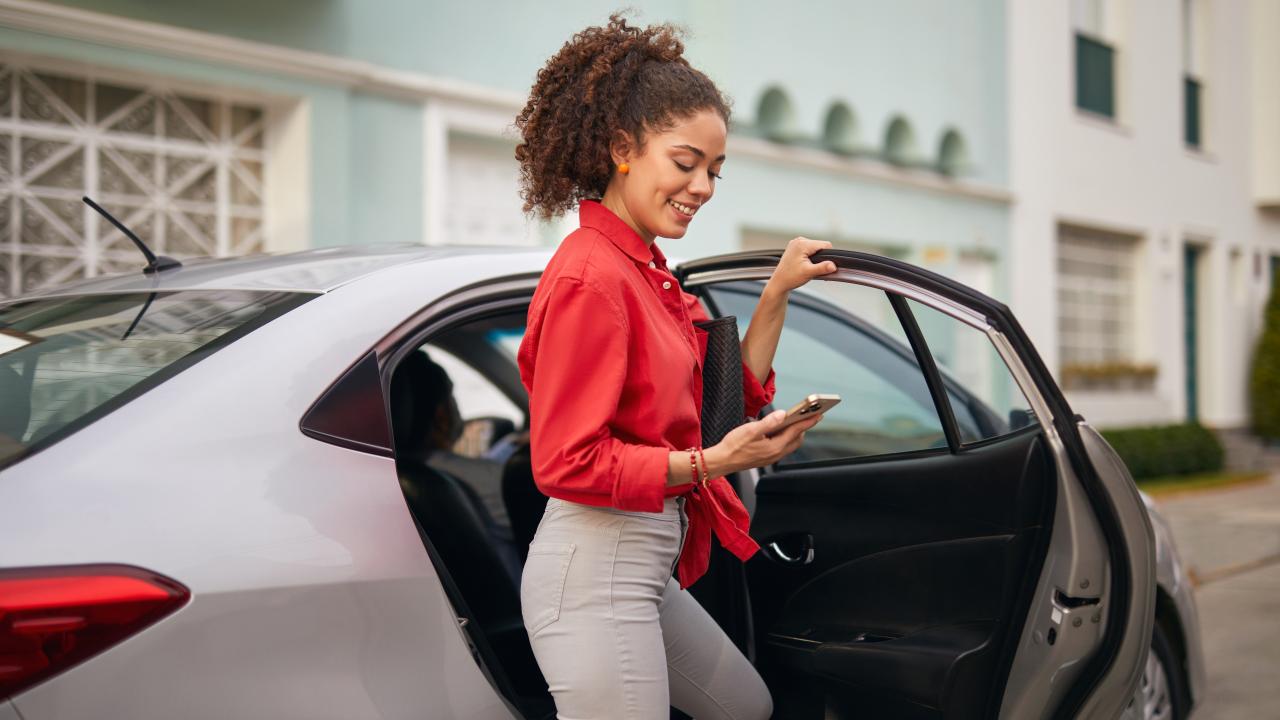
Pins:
x: 1265, y: 92
x: 1137, y: 176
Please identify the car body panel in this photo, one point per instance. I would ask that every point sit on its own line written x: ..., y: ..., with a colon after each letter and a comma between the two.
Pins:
x: 1173, y: 579
x: 1084, y: 623
x: 293, y: 549
x: 317, y: 270
x: 1140, y: 539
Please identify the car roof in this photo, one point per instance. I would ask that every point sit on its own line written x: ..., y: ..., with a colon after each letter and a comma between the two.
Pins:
x: 318, y: 270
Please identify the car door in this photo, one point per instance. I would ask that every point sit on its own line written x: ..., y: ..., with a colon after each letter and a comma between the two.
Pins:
x: 951, y: 541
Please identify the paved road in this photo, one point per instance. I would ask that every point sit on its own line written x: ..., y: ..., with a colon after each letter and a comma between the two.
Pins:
x: 1231, y: 540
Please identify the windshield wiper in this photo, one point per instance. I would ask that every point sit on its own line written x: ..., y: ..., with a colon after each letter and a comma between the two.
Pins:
x: 155, y: 263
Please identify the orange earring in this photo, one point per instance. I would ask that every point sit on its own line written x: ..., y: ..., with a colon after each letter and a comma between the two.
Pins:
x: 624, y: 168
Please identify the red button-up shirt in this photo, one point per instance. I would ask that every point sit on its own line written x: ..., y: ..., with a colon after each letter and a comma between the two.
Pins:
x: 613, y: 367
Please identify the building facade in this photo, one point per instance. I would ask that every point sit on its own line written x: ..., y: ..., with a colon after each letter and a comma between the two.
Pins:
x: 1126, y: 150
x: 1134, y: 153
x: 877, y: 127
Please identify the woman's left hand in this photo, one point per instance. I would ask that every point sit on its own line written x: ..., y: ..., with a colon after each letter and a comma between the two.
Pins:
x: 795, y: 268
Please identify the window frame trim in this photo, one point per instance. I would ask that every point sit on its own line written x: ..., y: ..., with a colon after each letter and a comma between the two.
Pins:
x: 932, y: 376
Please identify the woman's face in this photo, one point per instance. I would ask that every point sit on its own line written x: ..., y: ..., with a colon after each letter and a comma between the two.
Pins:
x: 673, y: 178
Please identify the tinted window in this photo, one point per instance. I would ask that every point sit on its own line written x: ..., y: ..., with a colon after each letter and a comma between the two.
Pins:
x: 65, y: 361
x: 848, y: 344
x: 478, y: 362
x: 984, y: 397
x: 476, y: 395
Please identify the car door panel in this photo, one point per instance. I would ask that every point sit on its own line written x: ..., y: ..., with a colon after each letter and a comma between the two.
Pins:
x: 946, y: 582
x: 912, y: 561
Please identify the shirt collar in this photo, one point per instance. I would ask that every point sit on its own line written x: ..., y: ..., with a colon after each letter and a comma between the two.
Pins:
x: 658, y: 258
x: 593, y: 214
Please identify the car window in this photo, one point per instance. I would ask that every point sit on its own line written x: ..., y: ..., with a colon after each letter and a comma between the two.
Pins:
x: 475, y: 394
x: 65, y: 361
x: 985, y: 399
x: 479, y: 361
x: 450, y: 411
x: 848, y: 342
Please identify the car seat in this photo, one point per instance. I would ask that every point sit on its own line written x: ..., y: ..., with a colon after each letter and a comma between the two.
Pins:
x: 525, y: 502
x: 456, y: 524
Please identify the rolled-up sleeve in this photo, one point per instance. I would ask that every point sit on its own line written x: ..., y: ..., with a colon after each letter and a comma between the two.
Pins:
x: 575, y: 374
x: 755, y: 394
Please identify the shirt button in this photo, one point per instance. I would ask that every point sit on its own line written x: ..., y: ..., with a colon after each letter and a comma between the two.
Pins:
x: 653, y: 264
x: 666, y: 286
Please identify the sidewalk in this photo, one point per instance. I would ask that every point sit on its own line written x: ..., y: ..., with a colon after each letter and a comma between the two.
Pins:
x: 1225, y: 528
x: 1230, y: 540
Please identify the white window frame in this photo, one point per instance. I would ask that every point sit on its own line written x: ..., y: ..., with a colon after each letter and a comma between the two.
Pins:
x: 446, y: 117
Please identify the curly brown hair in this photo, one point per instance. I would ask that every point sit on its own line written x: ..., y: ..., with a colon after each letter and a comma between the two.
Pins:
x: 602, y: 80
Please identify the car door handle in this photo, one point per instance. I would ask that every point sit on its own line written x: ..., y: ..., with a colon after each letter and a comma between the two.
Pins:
x: 794, y: 549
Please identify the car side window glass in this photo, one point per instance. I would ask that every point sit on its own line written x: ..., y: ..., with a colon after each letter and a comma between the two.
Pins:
x: 477, y: 397
x: 847, y: 341
x: 984, y: 397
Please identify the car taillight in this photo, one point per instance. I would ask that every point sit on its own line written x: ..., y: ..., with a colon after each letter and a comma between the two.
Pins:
x: 54, y: 617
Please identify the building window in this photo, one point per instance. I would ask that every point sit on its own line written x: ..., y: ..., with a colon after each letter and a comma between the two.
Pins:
x: 1095, y: 59
x: 183, y: 171
x: 1193, y: 72
x: 482, y: 201
x: 1192, y: 92
x: 1096, y: 307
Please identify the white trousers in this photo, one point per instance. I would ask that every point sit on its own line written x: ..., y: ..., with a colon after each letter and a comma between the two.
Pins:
x: 612, y: 631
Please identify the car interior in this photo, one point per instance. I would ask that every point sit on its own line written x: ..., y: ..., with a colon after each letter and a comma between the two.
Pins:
x: 478, y: 515
x: 890, y: 583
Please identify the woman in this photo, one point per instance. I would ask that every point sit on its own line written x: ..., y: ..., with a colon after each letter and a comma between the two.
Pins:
x: 620, y: 124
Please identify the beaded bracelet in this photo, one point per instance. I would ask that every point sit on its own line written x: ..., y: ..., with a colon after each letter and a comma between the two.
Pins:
x: 704, y: 467
x: 693, y: 466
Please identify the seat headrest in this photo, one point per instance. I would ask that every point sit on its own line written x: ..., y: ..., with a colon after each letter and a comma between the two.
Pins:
x: 418, y: 388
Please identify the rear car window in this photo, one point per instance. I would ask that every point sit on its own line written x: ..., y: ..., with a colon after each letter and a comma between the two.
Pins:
x: 67, y: 361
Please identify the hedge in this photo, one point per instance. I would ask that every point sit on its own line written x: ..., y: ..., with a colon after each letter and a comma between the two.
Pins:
x: 1264, y: 379
x: 1159, y: 450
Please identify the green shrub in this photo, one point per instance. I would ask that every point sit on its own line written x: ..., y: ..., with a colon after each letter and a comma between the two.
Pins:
x: 1264, y: 380
x: 1159, y: 450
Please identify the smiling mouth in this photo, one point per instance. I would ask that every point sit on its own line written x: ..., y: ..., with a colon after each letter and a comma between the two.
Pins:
x: 682, y: 208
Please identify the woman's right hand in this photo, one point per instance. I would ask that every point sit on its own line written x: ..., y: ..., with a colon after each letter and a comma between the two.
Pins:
x: 747, y: 446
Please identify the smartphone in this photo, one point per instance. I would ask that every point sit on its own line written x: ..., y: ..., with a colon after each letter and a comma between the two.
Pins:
x: 814, y: 404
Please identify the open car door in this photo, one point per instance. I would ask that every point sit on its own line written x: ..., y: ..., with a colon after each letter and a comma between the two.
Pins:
x: 951, y: 541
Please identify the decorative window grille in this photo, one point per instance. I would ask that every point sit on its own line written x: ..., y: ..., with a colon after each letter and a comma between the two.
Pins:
x: 1096, y: 298
x: 185, y: 173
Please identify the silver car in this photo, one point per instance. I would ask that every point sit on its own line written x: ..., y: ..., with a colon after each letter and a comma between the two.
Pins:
x: 229, y: 489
